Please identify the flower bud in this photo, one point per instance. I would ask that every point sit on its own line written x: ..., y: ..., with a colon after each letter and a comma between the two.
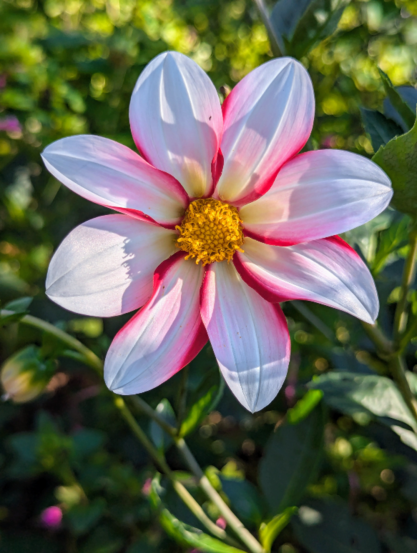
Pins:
x: 25, y: 375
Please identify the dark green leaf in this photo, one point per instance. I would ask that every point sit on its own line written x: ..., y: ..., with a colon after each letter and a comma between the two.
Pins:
x: 160, y: 438
x: 399, y: 160
x: 291, y: 462
x: 245, y: 499
x: 203, y: 401
x: 86, y: 441
x: 300, y: 25
x: 82, y: 518
x: 183, y: 533
x: 20, y: 305
x: 407, y: 114
x: 269, y: 532
x: 380, y: 128
x: 409, y: 95
x: 327, y: 527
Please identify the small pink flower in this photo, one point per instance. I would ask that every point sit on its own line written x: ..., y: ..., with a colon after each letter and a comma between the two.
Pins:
x: 10, y: 124
x: 51, y: 517
x: 226, y: 187
x: 146, y: 488
x: 221, y: 523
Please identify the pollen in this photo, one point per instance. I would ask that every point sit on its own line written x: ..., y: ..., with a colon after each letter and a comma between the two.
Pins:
x: 210, y: 231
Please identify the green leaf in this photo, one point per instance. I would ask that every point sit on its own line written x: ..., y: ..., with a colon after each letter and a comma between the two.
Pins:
x: 390, y: 240
x: 82, y: 518
x: 304, y: 406
x: 184, y: 533
x: 369, y: 396
x: 399, y: 160
x: 86, y: 442
x: 160, y: 438
x: 203, y: 401
x: 409, y: 95
x: 269, y: 532
x: 291, y: 462
x: 300, y: 25
x: 327, y: 527
x: 18, y: 307
x: 407, y: 114
x: 380, y: 128
x: 244, y: 498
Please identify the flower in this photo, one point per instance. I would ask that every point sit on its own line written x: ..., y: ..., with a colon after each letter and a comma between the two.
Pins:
x: 51, y: 517
x: 220, y: 219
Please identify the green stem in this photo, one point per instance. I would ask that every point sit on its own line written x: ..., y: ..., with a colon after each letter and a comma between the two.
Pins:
x: 160, y: 461
x: 400, y: 319
x: 263, y: 12
x: 182, y: 397
x: 93, y: 361
x: 89, y: 357
x: 231, y: 519
x: 396, y: 364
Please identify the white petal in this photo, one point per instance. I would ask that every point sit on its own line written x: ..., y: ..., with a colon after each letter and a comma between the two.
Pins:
x: 268, y: 118
x: 164, y: 336
x: 318, y: 194
x: 112, y: 175
x: 105, y: 266
x: 249, y: 336
x: 176, y: 120
x: 326, y: 271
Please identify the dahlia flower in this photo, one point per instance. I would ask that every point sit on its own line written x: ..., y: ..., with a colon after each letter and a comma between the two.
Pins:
x: 219, y: 219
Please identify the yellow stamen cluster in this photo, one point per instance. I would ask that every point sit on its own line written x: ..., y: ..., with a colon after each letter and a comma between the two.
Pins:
x: 210, y: 231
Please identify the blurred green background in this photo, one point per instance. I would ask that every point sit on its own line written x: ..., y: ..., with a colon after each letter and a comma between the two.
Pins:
x: 69, y: 67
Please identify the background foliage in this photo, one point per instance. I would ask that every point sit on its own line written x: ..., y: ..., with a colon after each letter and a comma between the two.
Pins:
x: 338, y: 442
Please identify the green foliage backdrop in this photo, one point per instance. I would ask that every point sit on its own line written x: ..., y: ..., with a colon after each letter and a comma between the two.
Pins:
x: 338, y: 442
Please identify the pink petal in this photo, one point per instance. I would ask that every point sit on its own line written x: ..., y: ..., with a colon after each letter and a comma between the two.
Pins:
x: 249, y: 336
x: 164, y: 336
x: 112, y: 175
x: 318, y: 194
x: 105, y: 266
x: 176, y: 120
x: 326, y: 271
x: 268, y: 118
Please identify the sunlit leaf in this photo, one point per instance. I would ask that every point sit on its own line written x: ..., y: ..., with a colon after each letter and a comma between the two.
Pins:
x: 399, y: 160
x: 269, y: 531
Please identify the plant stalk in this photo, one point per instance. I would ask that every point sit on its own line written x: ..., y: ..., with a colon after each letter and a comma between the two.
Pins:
x: 92, y: 360
x: 400, y: 318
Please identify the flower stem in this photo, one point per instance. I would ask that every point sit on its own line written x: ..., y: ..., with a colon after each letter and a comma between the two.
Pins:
x: 245, y: 536
x: 263, y: 12
x: 160, y: 461
x: 92, y: 360
x: 400, y: 319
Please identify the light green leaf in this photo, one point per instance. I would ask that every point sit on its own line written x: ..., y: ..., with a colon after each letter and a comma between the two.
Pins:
x: 399, y: 160
x: 304, y: 406
x: 371, y: 396
x: 203, y: 401
x: 184, y: 533
x: 269, y: 531
x: 291, y: 462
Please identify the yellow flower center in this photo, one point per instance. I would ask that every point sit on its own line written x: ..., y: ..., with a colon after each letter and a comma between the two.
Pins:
x: 210, y: 231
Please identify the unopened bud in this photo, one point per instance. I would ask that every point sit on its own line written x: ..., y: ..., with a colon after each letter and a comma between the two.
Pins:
x: 25, y: 375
